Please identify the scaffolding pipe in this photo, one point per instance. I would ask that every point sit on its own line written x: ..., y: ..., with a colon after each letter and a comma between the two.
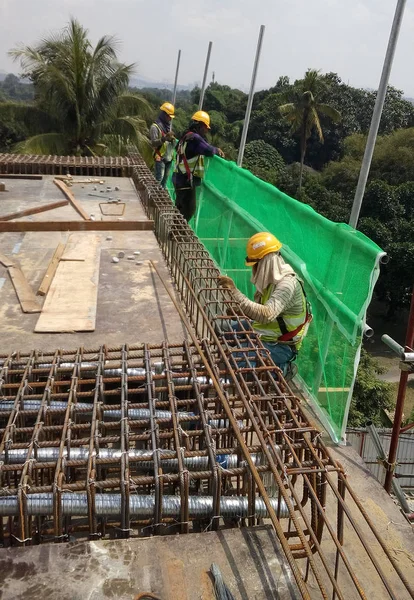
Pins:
x: 382, y: 457
x: 399, y: 407
x: 250, y: 99
x: 376, y: 115
x: 140, y: 507
x: 203, y: 87
x: 176, y: 77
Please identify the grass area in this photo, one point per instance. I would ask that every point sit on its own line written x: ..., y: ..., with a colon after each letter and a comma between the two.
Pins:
x: 409, y: 398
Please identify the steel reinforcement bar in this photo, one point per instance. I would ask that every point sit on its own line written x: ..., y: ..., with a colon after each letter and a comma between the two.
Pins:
x: 212, y: 312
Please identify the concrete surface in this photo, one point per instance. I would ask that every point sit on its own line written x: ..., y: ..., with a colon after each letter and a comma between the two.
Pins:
x: 171, y: 567
x: 133, y: 305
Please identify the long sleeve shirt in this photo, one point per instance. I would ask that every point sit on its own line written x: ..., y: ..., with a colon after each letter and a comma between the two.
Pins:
x: 196, y: 146
x: 157, y: 138
x: 286, y: 297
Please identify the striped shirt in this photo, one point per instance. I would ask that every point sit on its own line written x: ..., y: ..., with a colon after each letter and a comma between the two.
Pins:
x: 286, y: 297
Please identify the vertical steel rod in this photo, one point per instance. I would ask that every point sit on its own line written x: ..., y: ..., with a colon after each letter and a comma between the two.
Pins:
x: 176, y: 77
x: 376, y: 115
x: 203, y: 87
x: 392, y: 456
x: 250, y: 99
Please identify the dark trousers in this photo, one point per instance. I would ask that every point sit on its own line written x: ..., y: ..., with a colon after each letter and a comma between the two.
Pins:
x: 185, y: 201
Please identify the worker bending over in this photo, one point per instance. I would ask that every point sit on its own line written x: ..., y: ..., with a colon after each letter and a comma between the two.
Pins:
x: 163, y: 141
x: 189, y: 166
x: 280, y: 312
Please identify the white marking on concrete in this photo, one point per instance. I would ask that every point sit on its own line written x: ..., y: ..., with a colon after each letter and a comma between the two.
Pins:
x: 2, y: 280
x: 17, y: 248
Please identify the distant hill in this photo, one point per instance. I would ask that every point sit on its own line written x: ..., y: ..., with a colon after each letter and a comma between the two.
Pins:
x: 144, y: 82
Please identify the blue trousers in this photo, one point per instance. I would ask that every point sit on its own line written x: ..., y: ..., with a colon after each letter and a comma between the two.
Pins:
x: 162, y: 170
x: 281, y: 353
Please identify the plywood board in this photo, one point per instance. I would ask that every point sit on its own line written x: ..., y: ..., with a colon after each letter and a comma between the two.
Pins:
x: 24, y: 292
x: 69, y: 195
x: 51, y: 270
x: 71, y: 302
x: 17, y: 226
x: 78, y: 246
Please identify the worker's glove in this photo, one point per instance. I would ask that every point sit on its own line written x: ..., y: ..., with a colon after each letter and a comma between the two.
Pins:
x: 170, y: 137
x: 226, y: 282
x: 220, y: 152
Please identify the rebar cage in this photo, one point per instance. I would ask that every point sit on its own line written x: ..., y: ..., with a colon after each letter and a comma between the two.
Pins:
x: 173, y: 438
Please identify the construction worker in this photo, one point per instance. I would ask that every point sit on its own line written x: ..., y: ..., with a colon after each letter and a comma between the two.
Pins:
x: 280, y: 312
x: 189, y: 166
x: 163, y: 141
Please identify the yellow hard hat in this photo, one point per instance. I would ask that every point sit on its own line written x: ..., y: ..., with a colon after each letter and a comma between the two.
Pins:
x: 259, y: 245
x: 202, y: 116
x: 168, y: 108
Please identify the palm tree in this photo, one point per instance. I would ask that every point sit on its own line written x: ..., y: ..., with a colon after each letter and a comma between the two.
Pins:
x: 82, y: 104
x: 303, y: 111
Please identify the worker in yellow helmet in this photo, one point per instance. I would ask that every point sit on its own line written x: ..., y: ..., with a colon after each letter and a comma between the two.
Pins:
x: 189, y: 166
x: 280, y: 313
x: 163, y: 141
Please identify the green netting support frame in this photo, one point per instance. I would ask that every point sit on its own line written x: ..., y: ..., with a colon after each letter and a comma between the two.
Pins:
x: 338, y: 265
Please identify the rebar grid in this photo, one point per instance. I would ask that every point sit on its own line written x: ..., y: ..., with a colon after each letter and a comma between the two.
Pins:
x: 318, y: 541
x: 177, y: 438
x: 32, y: 164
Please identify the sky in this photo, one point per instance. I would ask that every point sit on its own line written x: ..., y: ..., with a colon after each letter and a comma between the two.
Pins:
x: 348, y: 37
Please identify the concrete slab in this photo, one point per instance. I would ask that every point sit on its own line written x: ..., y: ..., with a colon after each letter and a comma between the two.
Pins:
x: 171, y: 567
x: 133, y: 305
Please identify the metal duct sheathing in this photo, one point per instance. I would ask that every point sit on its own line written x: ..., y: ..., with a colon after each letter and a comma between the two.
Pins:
x: 140, y: 507
x: 18, y: 456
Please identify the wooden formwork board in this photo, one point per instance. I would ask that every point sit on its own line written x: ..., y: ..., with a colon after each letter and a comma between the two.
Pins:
x: 22, y: 226
x: 71, y: 301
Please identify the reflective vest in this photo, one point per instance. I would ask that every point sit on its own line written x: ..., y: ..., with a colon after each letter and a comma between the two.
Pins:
x: 162, y: 149
x: 289, y: 329
x: 192, y: 167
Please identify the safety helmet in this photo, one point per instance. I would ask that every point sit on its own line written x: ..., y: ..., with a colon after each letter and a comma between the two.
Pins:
x: 259, y: 245
x: 168, y: 108
x: 202, y: 117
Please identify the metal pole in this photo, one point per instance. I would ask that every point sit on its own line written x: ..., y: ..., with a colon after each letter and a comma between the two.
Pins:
x: 392, y: 456
x: 203, y: 87
x: 250, y: 99
x: 381, y: 455
x: 376, y: 115
x: 176, y: 77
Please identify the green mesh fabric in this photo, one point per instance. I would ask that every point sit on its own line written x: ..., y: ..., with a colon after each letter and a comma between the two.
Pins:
x: 338, y: 265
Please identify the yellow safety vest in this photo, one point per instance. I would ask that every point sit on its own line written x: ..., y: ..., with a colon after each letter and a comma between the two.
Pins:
x: 162, y: 149
x: 280, y: 327
x: 192, y: 167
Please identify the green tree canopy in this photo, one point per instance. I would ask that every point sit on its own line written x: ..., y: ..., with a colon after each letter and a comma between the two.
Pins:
x: 304, y: 109
x: 82, y: 104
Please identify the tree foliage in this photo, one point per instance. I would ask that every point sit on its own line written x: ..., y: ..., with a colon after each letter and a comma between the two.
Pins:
x: 82, y: 104
x: 371, y: 395
x: 304, y: 110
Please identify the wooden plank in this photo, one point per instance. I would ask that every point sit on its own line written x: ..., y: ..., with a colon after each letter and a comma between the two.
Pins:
x: 6, y: 261
x: 69, y: 195
x: 71, y: 302
x: 34, y: 210
x: 78, y: 246
x: 24, y: 292
x: 19, y: 176
x: 51, y: 270
x: 15, y: 226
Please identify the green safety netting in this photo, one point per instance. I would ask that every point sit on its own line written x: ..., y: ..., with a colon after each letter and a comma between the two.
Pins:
x: 338, y: 264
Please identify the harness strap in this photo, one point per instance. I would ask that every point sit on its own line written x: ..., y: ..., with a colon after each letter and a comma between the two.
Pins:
x: 287, y: 336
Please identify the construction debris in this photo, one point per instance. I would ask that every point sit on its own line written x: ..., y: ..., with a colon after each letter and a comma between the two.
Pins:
x: 115, y: 259
x: 121, y: 254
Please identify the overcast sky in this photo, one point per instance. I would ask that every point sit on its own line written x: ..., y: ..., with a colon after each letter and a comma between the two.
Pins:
x: 345, y: 36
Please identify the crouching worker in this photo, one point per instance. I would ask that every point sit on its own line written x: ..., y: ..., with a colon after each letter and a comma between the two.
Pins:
x: 280, y: 312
